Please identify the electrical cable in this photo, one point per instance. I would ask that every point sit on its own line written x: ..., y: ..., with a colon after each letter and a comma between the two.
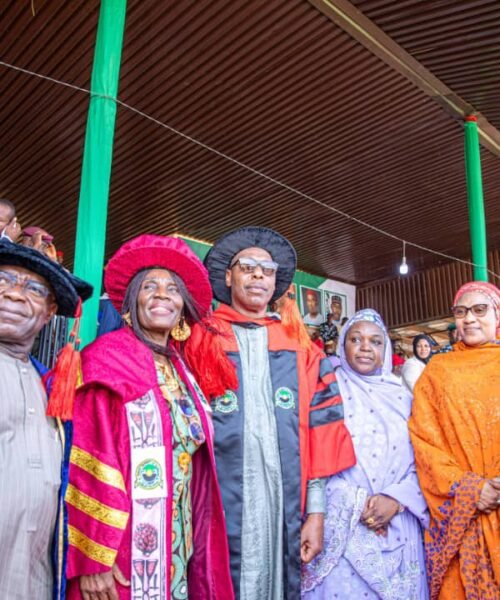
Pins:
x: 247, y: 167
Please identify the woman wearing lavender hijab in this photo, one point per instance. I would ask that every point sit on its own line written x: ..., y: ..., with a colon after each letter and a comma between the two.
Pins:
x: 375, y: 510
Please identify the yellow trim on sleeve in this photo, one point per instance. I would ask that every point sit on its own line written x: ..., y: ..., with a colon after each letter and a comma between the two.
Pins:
x: 96, y: 468
x: 101, y: 554
x: 95, y: 509
x: 60, y: 531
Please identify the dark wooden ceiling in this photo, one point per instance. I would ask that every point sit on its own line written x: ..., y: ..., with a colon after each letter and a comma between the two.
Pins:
x: 273, y: 84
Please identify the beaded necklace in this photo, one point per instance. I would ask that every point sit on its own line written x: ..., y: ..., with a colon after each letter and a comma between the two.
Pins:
x: 170, y: 383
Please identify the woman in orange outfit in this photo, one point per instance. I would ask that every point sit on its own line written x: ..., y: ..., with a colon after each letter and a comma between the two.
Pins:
x: 455, y: 430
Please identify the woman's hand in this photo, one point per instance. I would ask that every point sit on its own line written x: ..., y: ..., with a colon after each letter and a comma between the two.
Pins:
x: 311, y: 537
x: 488, y: 499
x: 102, y: 585
x: 379, y: 510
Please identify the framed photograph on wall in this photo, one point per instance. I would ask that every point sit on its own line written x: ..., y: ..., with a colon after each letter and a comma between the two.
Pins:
x: 311, y: 302
x: 336, y: 304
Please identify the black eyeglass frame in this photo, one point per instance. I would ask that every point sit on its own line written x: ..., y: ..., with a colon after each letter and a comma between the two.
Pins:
x: 478, y: 310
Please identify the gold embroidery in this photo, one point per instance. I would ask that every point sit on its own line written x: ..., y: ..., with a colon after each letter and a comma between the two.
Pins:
x: 95, y: 467
x: 95, y: 509
x: 79, y: 377
x: 93, y: 550
x: 60, y: 542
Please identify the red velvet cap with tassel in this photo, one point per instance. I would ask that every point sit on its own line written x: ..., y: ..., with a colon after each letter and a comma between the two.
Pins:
x: 66, y: 375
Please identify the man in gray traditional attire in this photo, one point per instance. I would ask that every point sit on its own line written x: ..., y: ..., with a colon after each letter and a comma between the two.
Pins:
x: 32, y: 290
x: 277, y: 414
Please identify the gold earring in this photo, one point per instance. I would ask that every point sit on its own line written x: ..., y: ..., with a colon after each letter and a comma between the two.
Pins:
x: 127, y: 318
x: 181, y: 331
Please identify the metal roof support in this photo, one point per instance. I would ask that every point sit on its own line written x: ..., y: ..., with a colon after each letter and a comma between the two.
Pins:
x: 477, y: 219
x: 344, y: 14
x: 97, y: 157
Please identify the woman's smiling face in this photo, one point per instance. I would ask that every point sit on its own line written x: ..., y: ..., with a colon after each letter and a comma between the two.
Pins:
x: 474, y: 330
x: 159, y: 304
x: 364, y: 347
x: 423, y: 349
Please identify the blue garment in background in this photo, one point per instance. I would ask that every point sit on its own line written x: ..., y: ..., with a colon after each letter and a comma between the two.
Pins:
x: 108, y: 317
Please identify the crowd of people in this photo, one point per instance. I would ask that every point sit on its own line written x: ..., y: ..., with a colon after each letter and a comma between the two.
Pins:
x: 219, y: 454
x: 31, y: 237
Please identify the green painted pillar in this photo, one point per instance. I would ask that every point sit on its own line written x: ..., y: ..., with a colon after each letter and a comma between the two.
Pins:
x: 97, y: 158
x: 477, y: 221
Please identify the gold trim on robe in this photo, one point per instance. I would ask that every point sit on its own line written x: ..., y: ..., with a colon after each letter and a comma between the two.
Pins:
x: 93, y: 550
x: 60, y: 540
x: 95, y: 509
x: 96, y: 468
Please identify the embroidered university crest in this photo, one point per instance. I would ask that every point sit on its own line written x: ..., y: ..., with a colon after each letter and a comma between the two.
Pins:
x: 148, y: 475
x: 283, y: 398
x: 227, y: 403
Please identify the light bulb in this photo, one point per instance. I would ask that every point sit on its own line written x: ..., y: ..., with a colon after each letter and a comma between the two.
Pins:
x: 403, y: 267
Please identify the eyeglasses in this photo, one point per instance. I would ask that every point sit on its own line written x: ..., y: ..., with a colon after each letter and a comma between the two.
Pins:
x: 479, y: 310
x: 30, y: 288
x: 248, y: 265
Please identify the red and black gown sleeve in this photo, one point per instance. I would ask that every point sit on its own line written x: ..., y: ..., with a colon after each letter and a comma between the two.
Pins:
x: 330, y: 445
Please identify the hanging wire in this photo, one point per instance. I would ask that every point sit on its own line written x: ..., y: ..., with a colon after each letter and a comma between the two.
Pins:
x: 403, y: 267
x: 246, y: 167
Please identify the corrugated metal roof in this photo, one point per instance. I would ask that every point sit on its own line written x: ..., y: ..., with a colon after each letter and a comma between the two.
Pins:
x: 458, y: 41
x: 273, y: 84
